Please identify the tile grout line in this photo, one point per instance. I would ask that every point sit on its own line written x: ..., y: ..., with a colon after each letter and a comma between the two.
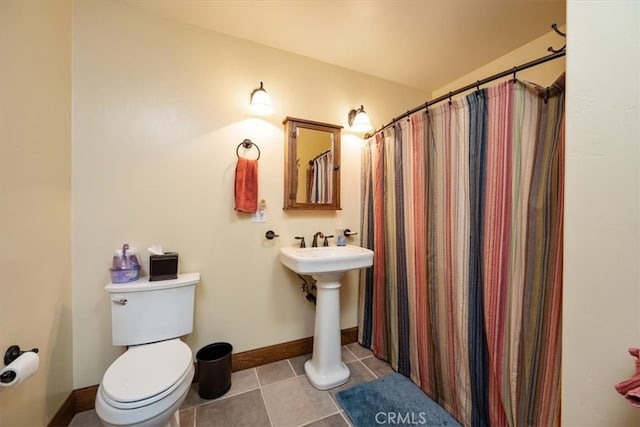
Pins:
x: 335, y: 404
x: 221, y: 398
x: 258, y: 377
x: 345, y: 418
x: 264, y: 402
x: 261, y: 385
x: 318, y: 419
x: 349, y: 350
x: 367, y: 368
x: 280, y: 381
x: 291, y: 366
x: 335, y: 401
x: 266, y: 408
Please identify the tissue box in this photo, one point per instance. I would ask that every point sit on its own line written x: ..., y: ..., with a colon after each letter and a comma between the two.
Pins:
x: 163, y: 267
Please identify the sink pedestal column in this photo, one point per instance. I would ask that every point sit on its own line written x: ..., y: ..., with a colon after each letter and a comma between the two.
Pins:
x: 326, y: 370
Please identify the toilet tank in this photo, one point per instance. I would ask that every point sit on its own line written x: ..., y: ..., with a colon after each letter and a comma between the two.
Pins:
x: 144, y: 312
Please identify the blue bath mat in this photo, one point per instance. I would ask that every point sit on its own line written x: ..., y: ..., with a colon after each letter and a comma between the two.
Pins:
x: 392, y: 400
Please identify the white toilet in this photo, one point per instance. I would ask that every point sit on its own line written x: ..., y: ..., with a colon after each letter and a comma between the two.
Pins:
x: 146, y: 385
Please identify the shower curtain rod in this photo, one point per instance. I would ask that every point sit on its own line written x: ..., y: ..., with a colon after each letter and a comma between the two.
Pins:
x: 556, y: 54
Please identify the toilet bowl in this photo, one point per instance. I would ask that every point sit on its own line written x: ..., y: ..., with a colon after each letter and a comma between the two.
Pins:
x: 146, y: 385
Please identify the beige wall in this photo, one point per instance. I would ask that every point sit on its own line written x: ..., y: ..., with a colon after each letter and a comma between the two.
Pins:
x: 544, y: 74
x: 602, y: 212
x: 35, y: 212
x: 159, y: 108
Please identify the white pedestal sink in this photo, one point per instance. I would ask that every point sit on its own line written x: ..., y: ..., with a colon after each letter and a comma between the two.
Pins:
x: 327, y: 265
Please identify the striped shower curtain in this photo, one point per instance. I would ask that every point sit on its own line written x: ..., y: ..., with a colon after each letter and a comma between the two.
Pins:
x: 321, y: 178
x: 463, y: 208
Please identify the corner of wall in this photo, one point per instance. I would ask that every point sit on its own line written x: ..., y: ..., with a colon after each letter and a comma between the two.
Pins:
x: 35, y: 127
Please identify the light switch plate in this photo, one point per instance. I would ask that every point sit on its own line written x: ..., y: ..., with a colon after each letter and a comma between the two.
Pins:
x: 259, y: 216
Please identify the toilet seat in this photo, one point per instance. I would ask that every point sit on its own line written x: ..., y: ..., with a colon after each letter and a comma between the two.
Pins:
x: 154, y: 414
x: 146, y: 373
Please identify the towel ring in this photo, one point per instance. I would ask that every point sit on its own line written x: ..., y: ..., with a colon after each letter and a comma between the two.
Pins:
x: 247, y: 143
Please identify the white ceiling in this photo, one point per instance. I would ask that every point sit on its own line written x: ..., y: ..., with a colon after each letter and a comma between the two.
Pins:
x: 420, y: 43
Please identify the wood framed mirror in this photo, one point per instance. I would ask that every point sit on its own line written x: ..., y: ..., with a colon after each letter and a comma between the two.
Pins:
x: 311, y: 165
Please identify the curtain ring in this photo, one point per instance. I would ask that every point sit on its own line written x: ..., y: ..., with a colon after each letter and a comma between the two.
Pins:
x: 515, y: 70
x: 450, y: 93
x: 478, y: 85
x: 546, y: 95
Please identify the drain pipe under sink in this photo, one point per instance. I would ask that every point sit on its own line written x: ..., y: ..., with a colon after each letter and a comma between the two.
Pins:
x: 308, y: 288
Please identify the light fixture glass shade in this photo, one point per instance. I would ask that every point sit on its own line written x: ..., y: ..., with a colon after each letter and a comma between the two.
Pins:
x: 359, y: 120
x: 260, y: 102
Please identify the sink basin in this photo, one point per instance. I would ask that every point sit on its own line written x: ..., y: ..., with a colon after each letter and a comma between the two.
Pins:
x: 327, y: 265
x: 326, y: 259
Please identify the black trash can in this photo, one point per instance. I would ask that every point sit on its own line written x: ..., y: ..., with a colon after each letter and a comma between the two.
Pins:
x: 214, y: 370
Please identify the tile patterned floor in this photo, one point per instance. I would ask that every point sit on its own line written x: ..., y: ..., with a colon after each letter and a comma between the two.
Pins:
x: 273, y: 395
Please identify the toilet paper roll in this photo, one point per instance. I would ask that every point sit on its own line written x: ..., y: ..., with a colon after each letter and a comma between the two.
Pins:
x: 20, y: 369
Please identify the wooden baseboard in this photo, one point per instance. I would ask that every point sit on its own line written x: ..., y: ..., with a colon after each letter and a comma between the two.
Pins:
x: 83, y: 399
x: 347, y: 336
x: 65, y: 414
x: 287, y: 350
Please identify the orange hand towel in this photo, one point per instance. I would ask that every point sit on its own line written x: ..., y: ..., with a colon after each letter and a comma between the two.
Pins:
x: 631, y: 388
x: 633, y: 397
x: 246, y: 189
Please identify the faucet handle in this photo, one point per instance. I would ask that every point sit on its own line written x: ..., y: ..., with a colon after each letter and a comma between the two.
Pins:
x: 270, y: 235
x: 301, y: 238
x: 326, y: 240
x: 348, y: 233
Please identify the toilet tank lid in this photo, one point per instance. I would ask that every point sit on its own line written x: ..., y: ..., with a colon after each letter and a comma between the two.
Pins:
x: 143, y: 284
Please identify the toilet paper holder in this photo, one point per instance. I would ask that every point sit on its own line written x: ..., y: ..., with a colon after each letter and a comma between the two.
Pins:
x: 12, y: 353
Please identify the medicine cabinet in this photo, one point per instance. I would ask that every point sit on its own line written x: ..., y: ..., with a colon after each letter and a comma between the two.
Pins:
x: 311, y: 165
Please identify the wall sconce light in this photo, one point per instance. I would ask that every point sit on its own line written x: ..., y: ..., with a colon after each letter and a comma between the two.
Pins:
x: 359, y: 120
x: 260, y: 102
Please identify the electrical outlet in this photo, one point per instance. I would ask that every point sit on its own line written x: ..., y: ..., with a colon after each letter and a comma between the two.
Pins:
x: 259, y: 216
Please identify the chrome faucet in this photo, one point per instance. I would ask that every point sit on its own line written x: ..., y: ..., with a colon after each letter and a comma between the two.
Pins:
x: 314, y: 244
